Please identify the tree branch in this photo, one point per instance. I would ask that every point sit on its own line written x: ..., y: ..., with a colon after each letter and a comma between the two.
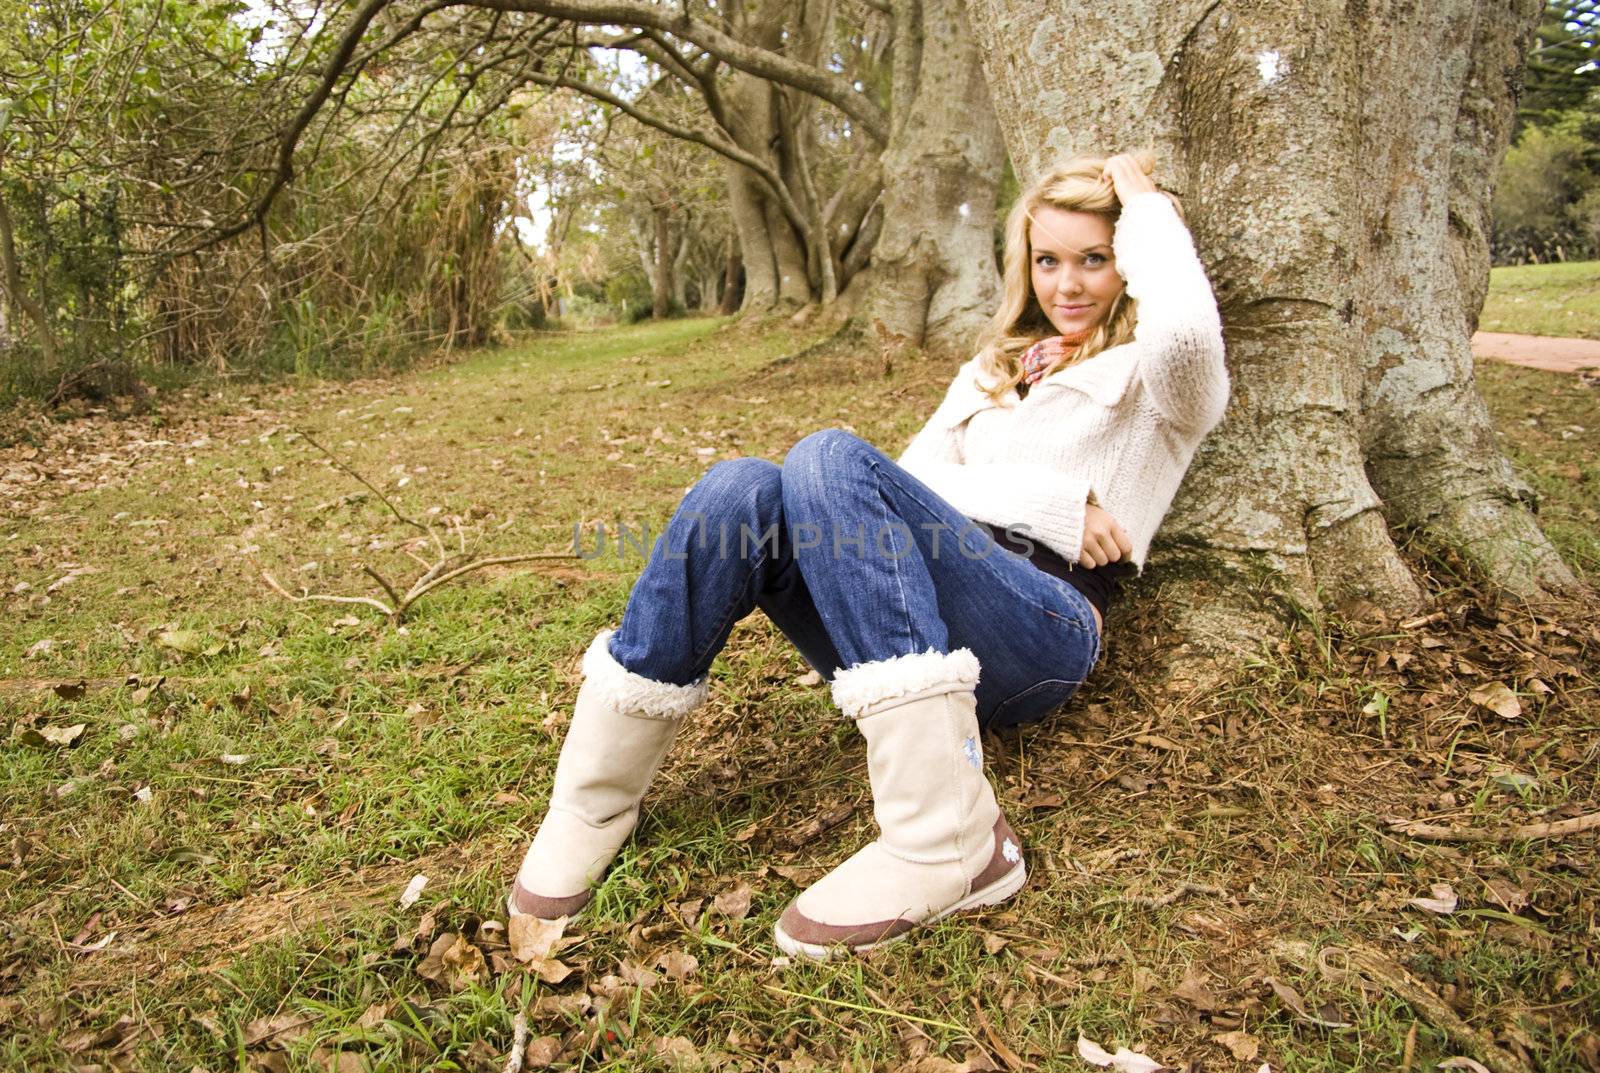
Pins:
x: 826, y: 85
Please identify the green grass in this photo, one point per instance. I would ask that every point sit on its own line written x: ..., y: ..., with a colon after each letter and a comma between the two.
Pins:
x: 359, y: 753
x: 1553, y: 299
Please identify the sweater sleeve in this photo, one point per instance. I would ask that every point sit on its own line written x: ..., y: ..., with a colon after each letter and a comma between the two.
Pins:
x: 1047, y: 501
x: 1178, y: 328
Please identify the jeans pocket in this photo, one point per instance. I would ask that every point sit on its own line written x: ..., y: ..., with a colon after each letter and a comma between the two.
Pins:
x: 1034, y: 703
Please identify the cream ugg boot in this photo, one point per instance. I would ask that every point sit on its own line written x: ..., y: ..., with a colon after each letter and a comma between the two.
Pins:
x: 621, y: 727
x: 943, y: 845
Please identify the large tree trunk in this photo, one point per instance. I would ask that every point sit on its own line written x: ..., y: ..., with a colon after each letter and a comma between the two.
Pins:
x: 661, y: 278
x: 933, y: 279
x: 1292, y: 131
x: 774, y: 257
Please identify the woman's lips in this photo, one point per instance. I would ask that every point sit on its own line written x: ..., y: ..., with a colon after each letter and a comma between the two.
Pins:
x: 1073, y: 311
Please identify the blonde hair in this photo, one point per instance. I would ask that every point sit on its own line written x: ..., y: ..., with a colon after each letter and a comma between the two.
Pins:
x: 1074, y: 185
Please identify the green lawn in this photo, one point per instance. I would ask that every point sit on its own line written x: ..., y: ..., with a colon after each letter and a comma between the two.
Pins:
x: 1554, y: 299
x: 203, y: 869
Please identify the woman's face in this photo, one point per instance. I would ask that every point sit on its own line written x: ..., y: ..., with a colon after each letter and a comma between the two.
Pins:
x: 1073, y: 268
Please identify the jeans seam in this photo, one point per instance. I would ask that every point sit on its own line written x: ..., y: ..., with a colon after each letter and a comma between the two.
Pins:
x: 899, y: 581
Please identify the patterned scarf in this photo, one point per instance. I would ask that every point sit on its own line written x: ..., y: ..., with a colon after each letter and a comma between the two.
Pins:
x: 1033, y: 360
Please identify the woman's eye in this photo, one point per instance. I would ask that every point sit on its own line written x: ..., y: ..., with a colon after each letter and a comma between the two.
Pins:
x: 1044, y: 260
x: 1094, y: 260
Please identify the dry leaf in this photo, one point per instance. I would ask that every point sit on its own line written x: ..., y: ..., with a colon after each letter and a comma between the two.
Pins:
x: 678, y: 965
x: 1242, y: 1045
x: 277, y: 1030
x: 734, y: 904
x: 62, y: 736
x: 189, y: 642
x: 1498, y: 699
x: 1444, y: 900
x: 636, y: 975
x: 452, y: 962
x: 413, y: 891
x: 1463, y: 1063
x: 1124, y: 1061
x: 1194, y: 991
x: 531, y: 938
x: 1291, y: 998
x: 542, y: 1052
x: 677, y: 1052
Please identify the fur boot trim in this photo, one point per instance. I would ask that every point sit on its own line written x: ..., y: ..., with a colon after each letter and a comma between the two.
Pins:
x: 868, y: 687
x: 633, y: 694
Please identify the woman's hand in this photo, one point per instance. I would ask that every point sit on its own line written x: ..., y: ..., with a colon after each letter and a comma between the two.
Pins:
x: 1104, y: 540
x: 1127, y: 177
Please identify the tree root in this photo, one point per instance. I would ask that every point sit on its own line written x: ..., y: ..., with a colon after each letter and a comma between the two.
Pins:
x: 1520, y: 832
x: 1367, y: 964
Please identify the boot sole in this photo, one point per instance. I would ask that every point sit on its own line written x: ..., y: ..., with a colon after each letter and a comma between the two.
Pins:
x: 1002, y: 889
x: 513, y: 911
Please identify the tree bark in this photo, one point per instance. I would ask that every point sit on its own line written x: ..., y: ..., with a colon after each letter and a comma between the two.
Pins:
x: 17, y: 288
x: 1290, y: 130
x: 661, y: 278
x: 933, y: 280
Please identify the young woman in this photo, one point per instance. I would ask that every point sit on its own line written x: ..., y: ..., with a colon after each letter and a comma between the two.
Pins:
x: 1064, y: 440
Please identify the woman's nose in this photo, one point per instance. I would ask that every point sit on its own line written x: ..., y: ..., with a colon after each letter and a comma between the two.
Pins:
x: 1068, y: 282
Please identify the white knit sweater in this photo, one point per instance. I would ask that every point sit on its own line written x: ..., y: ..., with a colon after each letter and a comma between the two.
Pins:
x: 1121, y: 427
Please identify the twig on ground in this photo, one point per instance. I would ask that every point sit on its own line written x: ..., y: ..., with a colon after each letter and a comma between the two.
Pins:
x: 1161, y: 901
x: 820, y: 825
x: 1519, y: 832
x: 446, y: 568
x: 369, y: 486
x: 519, y: 1042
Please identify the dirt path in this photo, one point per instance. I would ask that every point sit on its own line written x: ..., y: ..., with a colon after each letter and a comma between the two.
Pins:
x: 1550, y: 353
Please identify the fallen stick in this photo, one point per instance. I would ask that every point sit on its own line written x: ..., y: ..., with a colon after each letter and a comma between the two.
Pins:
x: 1556, y: 829
x: 1161, y: 901
x: 519, y: 1042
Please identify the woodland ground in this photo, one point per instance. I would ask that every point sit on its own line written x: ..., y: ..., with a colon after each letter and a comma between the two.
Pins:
x: 213, y: 797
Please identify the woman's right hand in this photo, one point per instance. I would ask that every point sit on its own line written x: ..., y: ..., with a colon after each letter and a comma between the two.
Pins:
x: 1104, y: 539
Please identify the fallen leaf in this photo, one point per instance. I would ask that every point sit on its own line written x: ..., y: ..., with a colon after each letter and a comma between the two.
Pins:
x: 1194, y: 991
x: 1498, y: 699
x: 1444, y: 900
x: 277, y: 1030
x: 452, y: 962
x: 234, y: 759
x: 542, y: 1052
x: 677, y: 1053
x: 189, y: 642
x: 1242, y: 1045
x: 1124, y: 1061
x: 532, y: 938
x: 1291, y: 998
x: 636, y: 975
x: 734, y: 904
x: 71, y: 690
x: 1461, y: 1062
x: 62, y: 736
x: 678, y: 965
x: 413, y: 891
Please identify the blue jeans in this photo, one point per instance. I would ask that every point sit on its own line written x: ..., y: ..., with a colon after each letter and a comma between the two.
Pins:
x: 855, y: 560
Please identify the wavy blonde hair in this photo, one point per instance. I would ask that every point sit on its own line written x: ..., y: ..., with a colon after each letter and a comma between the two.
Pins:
x: 1073, y: 185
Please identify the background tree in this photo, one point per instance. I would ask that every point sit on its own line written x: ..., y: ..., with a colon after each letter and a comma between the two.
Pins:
x: 1336, y: 166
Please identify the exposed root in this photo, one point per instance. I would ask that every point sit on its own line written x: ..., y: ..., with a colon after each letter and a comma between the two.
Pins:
x: 1517, y: 833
